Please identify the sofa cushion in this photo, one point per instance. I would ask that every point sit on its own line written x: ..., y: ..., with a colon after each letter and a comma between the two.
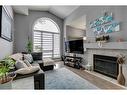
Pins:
x: 28, y: 57
x: 20, y: 64
x: 27, y: 70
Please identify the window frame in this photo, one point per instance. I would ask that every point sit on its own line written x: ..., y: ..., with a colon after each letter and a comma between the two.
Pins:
x: 48, y: 32
x: 49, y: 20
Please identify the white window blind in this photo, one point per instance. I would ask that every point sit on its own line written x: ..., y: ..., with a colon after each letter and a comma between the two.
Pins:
x: 47, y: 38
x: 56, y: 46
x: 37, y: 41
x: 48, y: 43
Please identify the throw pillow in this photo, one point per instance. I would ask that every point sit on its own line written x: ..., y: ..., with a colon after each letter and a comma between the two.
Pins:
x: 20, y: 64
x: 28, y: 57
x: 17, y: 56
x: 27, y: 63
x: 27, y: 70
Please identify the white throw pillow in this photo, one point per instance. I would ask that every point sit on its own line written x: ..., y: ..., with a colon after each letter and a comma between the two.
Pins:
x: 28, y: 57
x: 27, y: 70
x: 20, y: 64
x: 27, y: 63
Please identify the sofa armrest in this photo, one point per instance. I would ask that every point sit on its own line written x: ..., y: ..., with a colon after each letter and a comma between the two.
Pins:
x: 39, y: 81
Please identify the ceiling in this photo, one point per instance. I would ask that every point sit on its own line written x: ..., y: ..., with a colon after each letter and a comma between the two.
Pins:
x: 79, y: 22
x: 60, y: 11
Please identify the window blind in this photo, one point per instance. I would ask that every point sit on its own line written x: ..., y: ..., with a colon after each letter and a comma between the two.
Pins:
x: 47, y: 43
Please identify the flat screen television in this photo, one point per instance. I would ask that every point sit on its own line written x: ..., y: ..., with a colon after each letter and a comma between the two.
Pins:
x: 74, y: 46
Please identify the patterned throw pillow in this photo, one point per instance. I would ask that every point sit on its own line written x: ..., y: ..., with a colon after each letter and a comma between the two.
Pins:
x: 28, y: 57
x: 27, y: 63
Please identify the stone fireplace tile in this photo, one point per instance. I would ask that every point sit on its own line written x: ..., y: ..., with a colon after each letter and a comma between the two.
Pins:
x: 108, y: 52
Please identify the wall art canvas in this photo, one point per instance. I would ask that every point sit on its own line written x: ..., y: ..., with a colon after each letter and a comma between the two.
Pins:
x: 101, y: 20
x: 6, y: 25
x: 107, y: 28
x: 104, y: 25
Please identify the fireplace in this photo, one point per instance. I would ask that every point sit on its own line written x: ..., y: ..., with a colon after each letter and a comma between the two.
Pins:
x: 106, y: 65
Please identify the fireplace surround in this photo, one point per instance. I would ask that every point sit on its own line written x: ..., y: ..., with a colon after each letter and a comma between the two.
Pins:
x: 88, y: 61
x: 106, y: 65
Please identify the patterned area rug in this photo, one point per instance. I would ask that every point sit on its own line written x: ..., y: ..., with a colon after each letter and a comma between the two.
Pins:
x: 65, y: 79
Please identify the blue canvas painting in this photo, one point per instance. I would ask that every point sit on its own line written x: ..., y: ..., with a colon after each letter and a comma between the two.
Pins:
x: 107, y: 28
x: 104, y: 24
x: 111, y: 27
x: 101, y: 20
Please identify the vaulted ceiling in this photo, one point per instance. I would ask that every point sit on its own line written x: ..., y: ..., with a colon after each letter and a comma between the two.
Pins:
x: 60, y: 11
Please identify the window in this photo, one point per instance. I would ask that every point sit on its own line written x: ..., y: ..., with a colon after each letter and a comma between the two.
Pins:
x: 47, y: 38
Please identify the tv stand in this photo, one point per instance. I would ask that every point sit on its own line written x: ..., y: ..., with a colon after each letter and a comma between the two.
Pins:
x: 73, y: 61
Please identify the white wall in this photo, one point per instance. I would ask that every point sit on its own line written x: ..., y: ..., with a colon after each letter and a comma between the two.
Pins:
x: 6, y: 47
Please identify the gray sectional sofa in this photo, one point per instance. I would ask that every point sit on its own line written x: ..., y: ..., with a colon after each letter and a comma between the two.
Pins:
x: 38, y: 75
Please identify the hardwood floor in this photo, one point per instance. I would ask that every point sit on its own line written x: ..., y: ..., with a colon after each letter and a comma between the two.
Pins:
x: 99, y: 82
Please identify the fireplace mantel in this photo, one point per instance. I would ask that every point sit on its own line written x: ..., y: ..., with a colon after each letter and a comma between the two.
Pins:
x: 108, y: 45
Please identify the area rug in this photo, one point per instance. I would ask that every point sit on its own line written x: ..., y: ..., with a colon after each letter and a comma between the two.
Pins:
x: 65, y: 79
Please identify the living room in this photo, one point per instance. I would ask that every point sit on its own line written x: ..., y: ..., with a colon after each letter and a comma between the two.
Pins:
x: 70, y: 42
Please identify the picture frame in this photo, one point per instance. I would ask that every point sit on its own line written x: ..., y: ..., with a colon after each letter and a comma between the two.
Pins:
x: 5, y: 25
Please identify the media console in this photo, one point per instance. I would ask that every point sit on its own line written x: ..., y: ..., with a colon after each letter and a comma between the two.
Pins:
x: 73, y: 61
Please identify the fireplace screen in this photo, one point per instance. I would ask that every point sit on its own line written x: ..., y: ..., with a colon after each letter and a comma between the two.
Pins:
x: 106, y: 65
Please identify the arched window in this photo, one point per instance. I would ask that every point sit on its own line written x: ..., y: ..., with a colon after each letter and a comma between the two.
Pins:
x: 46, y: 37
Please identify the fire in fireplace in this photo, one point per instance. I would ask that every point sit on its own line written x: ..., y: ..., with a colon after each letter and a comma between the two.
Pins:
x: 106, y: 65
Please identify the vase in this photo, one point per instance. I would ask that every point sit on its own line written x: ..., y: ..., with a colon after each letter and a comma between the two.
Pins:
x: 7, y: 85
x: 121, y: 78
